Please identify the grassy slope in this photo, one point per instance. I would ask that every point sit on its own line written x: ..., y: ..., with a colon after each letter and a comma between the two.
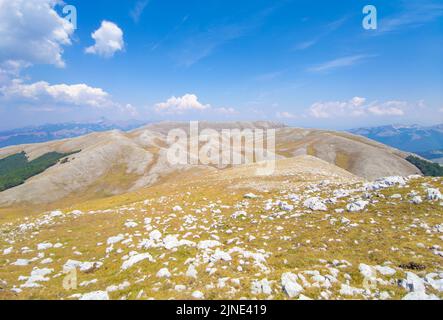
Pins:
x: 387, y: 231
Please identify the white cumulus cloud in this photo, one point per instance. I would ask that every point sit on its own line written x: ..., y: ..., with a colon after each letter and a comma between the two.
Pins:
x: 358, y: 101
x: 10, y: 69
x: 356, y: 106
x: 179, y: 105
x: 33, y: 32
x: 43, y: 93
x: 389, y: 108
x: 331, y: 109
x: 108, y: 40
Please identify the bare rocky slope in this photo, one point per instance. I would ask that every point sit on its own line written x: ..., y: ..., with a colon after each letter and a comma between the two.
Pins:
x: 309, y: 230
x: 116, y: 162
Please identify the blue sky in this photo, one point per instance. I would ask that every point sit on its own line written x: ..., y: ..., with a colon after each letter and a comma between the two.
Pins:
x: 305, y: 63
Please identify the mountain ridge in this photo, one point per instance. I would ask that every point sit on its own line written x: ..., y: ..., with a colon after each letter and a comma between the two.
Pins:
x: 115, y: 162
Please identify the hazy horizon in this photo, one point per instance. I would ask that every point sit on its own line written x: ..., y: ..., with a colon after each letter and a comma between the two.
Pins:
x: 142, y: 122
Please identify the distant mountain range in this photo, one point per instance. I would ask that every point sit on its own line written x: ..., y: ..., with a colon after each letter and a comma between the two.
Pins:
x: 424, y: 141
x: 49, y: 132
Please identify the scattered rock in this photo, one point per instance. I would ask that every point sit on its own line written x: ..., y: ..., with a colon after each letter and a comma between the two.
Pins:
x: 434, y: 194
x: 315, y: 204
x: 261, y: 287
x: 96, y: 295
x: 136, y: 259
x: 207, y: 244
x: 163, y: 273
x: 290, y: 285
x: 357, y: 206
x: 198, y: 295
x: 416, y: 200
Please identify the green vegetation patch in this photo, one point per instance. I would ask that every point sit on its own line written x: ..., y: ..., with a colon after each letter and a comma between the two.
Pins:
x: 16, y: 169
x: 428, y: 168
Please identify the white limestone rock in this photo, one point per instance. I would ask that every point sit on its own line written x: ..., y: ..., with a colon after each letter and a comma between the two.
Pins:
x: 315, y: 204
x: 95, y: 295
x: 357, y: 206
x: 136, y: 259
x: 434, y: 194
x: 290, y: 285
x: 163, y: 273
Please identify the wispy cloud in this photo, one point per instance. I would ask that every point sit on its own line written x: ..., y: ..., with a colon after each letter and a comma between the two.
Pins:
x: 328, y: 29
x: 170, y: 33
x: 269, y: 76
x: 340, y: 63
x: 306, y: 44
x: 285, y: 115
x: 137, y: 11
x: 203, y: 44
x: 199, y: 45
x: 412, y: 15
x: 226, y: 111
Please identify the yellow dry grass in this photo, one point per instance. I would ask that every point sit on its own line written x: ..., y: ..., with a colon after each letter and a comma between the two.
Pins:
x: 384, y: 234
